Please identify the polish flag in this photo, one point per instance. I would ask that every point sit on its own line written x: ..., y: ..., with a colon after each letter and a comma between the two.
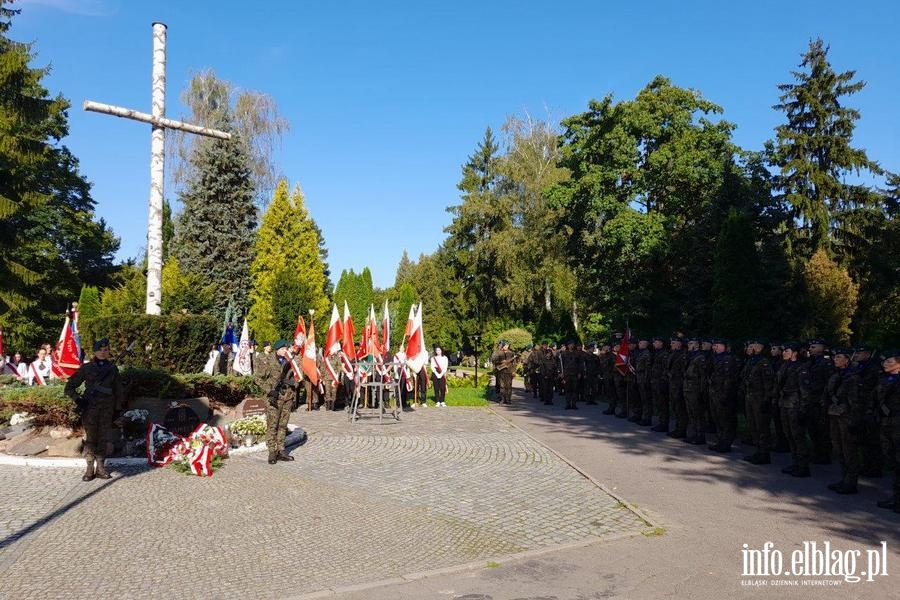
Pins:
x: 333, y: 337
x: 300, y: 333
x: 201, y: 461
x: 385, y: 330
x: 416, y: 352
x: 66, y: 357
x: 623, y: 360
x: 308, y: 362
x: 348, y: 350
x: 409, y: 326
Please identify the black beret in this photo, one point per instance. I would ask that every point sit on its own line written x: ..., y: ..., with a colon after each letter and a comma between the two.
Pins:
x: 848, y: 352
x: 865, y: 348
x: 792, y: 346
x: 755, y: 341
x: 894, y: 353
x: 101, y: 343
x: 815, y: 341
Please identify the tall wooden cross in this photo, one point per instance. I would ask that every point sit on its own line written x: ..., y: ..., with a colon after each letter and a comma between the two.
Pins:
x: 157, y: 159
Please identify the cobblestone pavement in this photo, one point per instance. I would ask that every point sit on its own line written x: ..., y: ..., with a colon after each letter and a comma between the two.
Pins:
x: 363, y: 502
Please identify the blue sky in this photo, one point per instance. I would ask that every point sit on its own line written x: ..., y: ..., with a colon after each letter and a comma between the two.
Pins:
x: 386, y: 99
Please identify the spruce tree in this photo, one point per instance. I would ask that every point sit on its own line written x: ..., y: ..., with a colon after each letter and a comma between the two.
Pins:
x: 736, y: 308
x: 215, y: 232
x: 813, y: 148
x: 288, y: 273
x: 50, y: 244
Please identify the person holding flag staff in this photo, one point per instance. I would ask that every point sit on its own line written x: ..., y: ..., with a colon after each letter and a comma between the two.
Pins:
x: 439, y: 364
x: 101, y: 399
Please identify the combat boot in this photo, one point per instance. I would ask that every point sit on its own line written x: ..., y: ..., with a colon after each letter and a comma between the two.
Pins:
x: 660, y: 428
x: 846, y: 488
x: 890, y: 504
x: 100, y: 471
x: 273, y: 458
x: 790, y: 469
x: 801, y: 472
x: 89, y: 471
x: 284, y: 457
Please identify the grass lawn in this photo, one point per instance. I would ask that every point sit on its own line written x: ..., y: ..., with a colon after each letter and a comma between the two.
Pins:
x: 463, y: 396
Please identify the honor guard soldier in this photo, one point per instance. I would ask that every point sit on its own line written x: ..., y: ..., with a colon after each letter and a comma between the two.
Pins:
x: 677, y: 366
x: 820, y: 370
x: 504, y: 364
x: 758, y: 389
x: 872, y: 460
x: 276, y: 378
x: 721, y: 397
x: 572, y: 366
x: 888, y: 395
x: 845, y: 413
x: 792, y: 387
x: 101, y: 399
x: 643, y: 365
x: 659, y: 384
x: 780, y: 444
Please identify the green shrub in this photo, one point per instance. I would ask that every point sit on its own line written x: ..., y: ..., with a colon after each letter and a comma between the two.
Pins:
x: 46, y: 403
x: 517, y: 337
x: 468, y: 381
x: 174, y: 343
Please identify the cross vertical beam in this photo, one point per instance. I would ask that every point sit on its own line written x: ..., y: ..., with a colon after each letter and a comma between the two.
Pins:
x: 157, y: 159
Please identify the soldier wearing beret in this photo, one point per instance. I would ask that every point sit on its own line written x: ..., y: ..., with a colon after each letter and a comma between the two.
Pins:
x: 845, y: 413
x: 659, y: 384
x: 276, y: 378
x: 643, y: 365
x: 610, y: 377
x: 758, y: 388
x: 888, y: 395
x: 572, y: 367
x: 591, y: 374
x: 549, y: 371
x: 504, y: 364
x: 781, y: 444
x: 101, y: 399
x: 872, y: 460
x: 792, y: 386
x: 677, y: 366
x: 721, y: 397
x: 820, y: 371
x: 695, y: 374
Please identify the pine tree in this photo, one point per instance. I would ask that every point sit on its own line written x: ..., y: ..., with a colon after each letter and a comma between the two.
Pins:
x: 736, y: 308
x: 88, y: 302
x: 215, y: 232
x: 288, y: 273
x: 813, y: 148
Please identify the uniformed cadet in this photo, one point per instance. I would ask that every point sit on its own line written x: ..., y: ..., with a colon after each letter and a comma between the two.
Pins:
x: 868, y: 438
x: 888, y: 395
x: 643, y: 365
x: 780, y: 443
x: 572, y: 366
x: 820, y: 370
x: 504, y: 364
x: 695, y: 373
x: 676, y: 367
x: 533, y: 367
x: 604, y: 375
x: 845, y: 414
x: 275, y: 377
x: 632, y: 395
x: 549, y: 371
x: 610, y: 378
x: 102, y: 398
x: 332, y: 381
x: 758, y: 388
x: 591, y: 374
x: 619, y: 382
x: 721, y: 396
x: 524, y: 357
x: 659, y: 384
x: 792, y: 386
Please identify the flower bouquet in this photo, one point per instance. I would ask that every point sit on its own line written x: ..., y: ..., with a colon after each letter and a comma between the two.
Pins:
x: 134, y: 423
x: 249, y: 429
x: 200, y: 453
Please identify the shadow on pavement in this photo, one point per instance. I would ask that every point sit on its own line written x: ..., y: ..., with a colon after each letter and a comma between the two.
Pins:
x: 799, y: 500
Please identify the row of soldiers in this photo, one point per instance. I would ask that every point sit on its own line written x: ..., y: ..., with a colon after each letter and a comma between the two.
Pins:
x: 796, y: 398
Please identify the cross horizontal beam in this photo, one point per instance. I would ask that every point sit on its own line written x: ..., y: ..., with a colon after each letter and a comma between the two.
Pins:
x: 127, y: 113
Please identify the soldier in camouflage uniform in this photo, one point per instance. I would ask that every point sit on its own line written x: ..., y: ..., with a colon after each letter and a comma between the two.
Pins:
x: 533, y: 368
x: 721, y: 397
x: 792, y: 392
x: 643, y: 364
x: 872, y: 460
x: 676, y: 367
x: 888, y: 395
x: 523, y: 359
x: 820, y: 370
x: 331, y: 379
x: 845, y: 412
x: 781, y: 444
x: 549, y: 371
x: 591, y: 374
x: 572, y: 366
x: 608, y: 368
x: 757, y: 388
x: 694, y: 392
x: 504, y: 365
x: 275, y: 377
x: 632, y: 395
x: 102, y: 398
x: 659, y: 384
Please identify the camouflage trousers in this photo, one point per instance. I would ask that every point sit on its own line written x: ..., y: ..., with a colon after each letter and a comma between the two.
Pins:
x: 795, y: 432
x: 725, y: 419
x: 759, y: 418
x: 696, y: 411
x: 890, y: 444
x: 845, y: 447
x: 276, y: 423
x: 96, y: 421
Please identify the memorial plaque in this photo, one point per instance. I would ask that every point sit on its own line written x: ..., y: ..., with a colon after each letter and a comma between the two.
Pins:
x: 181, y: 419
x: 254, y: 406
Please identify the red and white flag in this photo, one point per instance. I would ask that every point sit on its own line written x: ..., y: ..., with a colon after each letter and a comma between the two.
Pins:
x: 201, y: 461
x: 36, y: 377
x: 416, y: 353
x: 300, y: 332
x: 333, y: 337
x: 623, y: 360
x: 348, y: 350
x: 386, y: 331
x: 243, y: 361
x: 308, y: 361
x: 66, y: 357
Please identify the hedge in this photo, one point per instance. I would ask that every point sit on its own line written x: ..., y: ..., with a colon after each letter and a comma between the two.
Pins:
x: 50, y: 406
x: 173, y: 343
